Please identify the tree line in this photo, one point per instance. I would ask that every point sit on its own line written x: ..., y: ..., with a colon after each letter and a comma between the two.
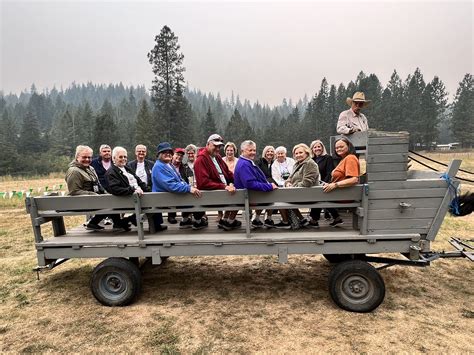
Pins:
x: 39, y: 131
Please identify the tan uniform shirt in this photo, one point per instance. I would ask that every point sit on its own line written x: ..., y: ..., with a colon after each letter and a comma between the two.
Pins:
x: 348, y: 119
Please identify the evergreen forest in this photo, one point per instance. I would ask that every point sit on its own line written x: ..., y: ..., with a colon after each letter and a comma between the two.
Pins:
x: 40, y: 130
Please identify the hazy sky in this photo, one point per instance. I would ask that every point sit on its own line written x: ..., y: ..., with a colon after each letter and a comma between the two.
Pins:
x: 263, y: 50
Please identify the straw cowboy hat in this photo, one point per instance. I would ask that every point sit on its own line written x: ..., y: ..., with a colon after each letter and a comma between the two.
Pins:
x: 358, y: 97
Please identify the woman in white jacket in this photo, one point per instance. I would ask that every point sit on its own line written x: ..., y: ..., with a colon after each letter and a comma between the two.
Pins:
x: 282, y: 167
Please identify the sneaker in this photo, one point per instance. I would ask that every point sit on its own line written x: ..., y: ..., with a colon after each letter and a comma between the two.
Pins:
x: 220, y: 224
x: 122, y: 225
x: 199, y: 224
x: 229, y: 226
x: 256, y: 223
x: 283, y: 225
x: 336, y: 222
x: 313, y: 224
x: 131, y: 219
x: 172, y: 220
x: 187, y: 224
x: 93, y: 227
x: 304, y: 222
x: 269, y: 223
x: 161, y: 228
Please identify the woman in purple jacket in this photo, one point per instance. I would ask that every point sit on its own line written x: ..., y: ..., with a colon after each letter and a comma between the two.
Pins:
x: 248, y: 175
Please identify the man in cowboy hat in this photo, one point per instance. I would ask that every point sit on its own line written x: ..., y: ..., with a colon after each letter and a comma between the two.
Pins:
x: 353, y: 120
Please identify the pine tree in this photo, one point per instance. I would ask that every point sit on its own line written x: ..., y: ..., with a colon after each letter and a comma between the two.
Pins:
x: 238, y: 129
x: 182, y: 123
x: 84, y: 124
x: 413, y: 107
x: 208, y: 126
x: 105, y: 129
x: 8, y: 152
x: 145, y: 131
x: 434, y: 104
x: 30, y: 140
x: 167, y: 65
x: 463, y: 109
x: 392, y: 116
x: 63, y: 135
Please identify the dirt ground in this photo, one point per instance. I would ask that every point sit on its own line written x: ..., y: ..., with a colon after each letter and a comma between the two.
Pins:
x: 252, y: 304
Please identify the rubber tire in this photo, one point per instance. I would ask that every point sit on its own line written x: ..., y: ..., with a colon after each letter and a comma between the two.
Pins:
x: 338, y: 258
x: 371, y: 287
x: 116, y: 282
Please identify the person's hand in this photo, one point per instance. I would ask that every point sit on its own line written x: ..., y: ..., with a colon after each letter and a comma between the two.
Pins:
x: 231, y: 189
x: 330, y: 187
x: 139, y: 191
x: 274, y: 186
x: 195, y: 192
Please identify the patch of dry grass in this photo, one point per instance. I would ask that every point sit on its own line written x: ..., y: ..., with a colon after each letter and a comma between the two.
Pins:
x: 229, y: 304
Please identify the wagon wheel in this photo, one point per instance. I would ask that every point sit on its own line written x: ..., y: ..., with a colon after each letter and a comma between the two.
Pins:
x: 116, y: 282
x: 337, y: 258
x: 356, y: 286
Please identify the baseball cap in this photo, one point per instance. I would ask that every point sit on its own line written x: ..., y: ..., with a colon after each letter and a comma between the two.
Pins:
x: 179, y: 150
x: 215, y: 139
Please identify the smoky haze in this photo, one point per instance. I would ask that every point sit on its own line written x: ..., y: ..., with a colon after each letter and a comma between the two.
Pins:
x: 263, y: 51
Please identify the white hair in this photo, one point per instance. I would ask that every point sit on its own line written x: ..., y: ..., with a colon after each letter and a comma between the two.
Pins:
x: 82, y: 148
x: 246, y: 144
x: 280, y: 149
x: 117, y: 150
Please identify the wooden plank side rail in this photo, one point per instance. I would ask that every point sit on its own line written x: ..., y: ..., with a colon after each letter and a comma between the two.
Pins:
x: 46, y: 208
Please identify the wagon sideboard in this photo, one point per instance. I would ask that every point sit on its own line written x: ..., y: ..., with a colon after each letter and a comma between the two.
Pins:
x: 391, y: 212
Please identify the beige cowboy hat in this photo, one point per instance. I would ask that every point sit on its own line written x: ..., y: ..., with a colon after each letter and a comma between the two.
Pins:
x: 359, y: 96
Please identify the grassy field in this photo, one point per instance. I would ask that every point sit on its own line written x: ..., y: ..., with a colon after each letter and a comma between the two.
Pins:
x: 228, y: 304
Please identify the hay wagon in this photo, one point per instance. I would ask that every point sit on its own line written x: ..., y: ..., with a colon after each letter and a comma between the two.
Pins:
x: 392, y: 210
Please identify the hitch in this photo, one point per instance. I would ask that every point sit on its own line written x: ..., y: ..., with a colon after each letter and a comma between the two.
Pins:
x: 50, y: 266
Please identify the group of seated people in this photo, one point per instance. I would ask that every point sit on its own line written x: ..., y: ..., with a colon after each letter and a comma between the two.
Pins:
x: 192, y: 170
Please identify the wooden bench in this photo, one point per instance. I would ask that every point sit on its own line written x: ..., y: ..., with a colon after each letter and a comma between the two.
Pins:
x: 54, y: 208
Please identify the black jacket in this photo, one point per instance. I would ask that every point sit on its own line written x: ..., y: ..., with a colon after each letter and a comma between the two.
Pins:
x: 100, y: 171
x: 326, y: 166
x: 262, y: 163
x: 148, y: 168
x: 118, y: 182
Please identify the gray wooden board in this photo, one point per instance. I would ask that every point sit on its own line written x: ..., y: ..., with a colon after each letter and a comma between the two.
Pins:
x: 387, y: 149
x: 384, y: 134
x: 408, y: 184
x: 406, y: 193
x: 414, y: 202
x: 392, y: 176
x: 421, y: 174
x: 396, y: 231
x: 423, y: 223
x: 386, y: 167
x: 388, y: 140
x: 333, y: 247
x: 211, y: 238
x: 387, y: 158
x: 301, y: 195
x: 407, y: 213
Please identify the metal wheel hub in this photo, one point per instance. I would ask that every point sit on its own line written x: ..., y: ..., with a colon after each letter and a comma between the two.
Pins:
x: 113, y: 285
x: 356, y: 288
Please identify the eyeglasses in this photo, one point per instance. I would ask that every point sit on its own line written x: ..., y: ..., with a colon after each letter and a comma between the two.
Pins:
x: 86, y: 157
x: 358, y: 103
x: 170, y: 152
x: 122, y: 157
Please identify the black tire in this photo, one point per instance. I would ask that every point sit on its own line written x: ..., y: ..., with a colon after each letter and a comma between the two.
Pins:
x: 356, y: 286
x: 116, y: 282
x: 338, y: 258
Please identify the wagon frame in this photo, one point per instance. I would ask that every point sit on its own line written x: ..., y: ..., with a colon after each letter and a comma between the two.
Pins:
x: 393, y: 210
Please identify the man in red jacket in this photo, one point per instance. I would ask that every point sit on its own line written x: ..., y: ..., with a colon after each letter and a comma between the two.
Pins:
x: 212, y: 173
